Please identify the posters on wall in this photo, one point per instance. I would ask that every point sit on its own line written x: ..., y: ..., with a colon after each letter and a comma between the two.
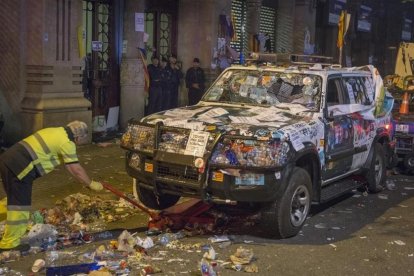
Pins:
x: 139, y: 21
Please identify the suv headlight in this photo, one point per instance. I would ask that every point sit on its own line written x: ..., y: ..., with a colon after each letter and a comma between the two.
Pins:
x: 139, y: 137
x: 250, y: 153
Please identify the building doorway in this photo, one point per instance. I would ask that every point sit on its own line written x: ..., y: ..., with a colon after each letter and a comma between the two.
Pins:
x: 161, y: 26
x: 101, y: 70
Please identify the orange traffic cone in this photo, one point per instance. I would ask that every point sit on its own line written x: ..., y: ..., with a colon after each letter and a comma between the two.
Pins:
x: 404, y: 104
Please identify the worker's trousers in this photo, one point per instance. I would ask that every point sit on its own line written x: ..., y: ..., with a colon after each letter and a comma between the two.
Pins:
x: 19, y: 194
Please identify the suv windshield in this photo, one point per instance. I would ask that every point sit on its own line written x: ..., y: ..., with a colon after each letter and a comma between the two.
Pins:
x: 266, y: 88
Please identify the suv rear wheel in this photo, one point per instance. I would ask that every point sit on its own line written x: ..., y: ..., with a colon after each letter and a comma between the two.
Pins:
x: 377, y: 170
x: 285, y: 217
x: 151, y: 200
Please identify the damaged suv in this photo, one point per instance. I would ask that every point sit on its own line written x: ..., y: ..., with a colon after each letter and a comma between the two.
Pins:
x: 280, y: 137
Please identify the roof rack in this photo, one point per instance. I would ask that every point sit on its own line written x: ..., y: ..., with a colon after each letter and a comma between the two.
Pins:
x: 291, y: 59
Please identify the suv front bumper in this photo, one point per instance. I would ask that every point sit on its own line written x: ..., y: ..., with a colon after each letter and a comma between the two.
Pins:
x: 213, y: 183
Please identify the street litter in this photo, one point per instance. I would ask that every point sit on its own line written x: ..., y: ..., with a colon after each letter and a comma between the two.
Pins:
x: 242, y: 256
x: 217, y: 239
x: 390, y: 184
x: 383, y: 196
x: 320, y: 225
x: 38, y: 265
x: 399, y: 242
x: 252, y: 268
x: 210, y: 255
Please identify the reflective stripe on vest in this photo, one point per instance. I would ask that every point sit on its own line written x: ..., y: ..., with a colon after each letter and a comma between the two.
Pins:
x: 35, y: 163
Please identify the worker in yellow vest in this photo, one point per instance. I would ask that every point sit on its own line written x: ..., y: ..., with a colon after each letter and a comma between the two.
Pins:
x: 31, y: 158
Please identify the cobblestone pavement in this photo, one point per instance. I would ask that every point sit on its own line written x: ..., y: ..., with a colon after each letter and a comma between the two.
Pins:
x: 355, y: 235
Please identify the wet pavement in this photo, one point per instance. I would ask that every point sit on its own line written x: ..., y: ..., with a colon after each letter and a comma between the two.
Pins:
x: 357, y: 234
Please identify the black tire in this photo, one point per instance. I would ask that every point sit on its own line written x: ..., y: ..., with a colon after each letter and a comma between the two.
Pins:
x: 151, y: 200
x: 409, y: 161
x: 377, y: 170
x: 285, y: 217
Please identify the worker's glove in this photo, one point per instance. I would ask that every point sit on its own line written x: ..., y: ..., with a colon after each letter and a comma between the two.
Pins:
x: 96, y: 186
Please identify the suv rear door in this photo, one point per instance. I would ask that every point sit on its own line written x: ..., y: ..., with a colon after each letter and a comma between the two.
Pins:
x: 339, y: 133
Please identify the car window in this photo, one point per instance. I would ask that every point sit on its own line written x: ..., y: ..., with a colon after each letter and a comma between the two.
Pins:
x: 356, y: 90
x: 266, y: 88
x: 334, y: 94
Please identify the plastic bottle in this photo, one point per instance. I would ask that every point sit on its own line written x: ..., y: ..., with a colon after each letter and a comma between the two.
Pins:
x: 51, y: 258
x: 166, y: 238
x: 207, y: 269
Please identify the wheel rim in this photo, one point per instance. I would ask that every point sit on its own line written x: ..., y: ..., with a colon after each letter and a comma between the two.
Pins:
x: 299, y: 205
x: 378, y: 169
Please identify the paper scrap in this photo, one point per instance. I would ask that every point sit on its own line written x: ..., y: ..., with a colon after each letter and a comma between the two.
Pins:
x: 197, y: 142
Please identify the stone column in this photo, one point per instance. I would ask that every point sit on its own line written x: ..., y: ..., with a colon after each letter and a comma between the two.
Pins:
x: 132, y: 73
x: 53, y: 95
x: 253, y: 22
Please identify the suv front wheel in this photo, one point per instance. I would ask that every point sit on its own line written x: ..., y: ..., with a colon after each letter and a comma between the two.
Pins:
x: 151, y: 200
x: 285, y: 217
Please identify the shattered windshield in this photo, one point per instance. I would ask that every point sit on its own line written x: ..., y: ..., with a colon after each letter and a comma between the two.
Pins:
x: 266, y: 88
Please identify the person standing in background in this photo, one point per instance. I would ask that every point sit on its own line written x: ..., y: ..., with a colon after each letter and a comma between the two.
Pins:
x: 175, y: 81
x: 194, y: 80
x: 155, y: 89
x: 166, y: 84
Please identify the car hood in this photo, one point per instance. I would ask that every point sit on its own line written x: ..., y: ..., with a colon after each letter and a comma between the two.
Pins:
x: 252, y: 121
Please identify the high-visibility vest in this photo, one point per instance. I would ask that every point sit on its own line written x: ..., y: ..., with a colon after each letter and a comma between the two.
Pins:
x: 47, y: 149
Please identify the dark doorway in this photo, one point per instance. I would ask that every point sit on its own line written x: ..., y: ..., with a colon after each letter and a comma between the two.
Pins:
x: 101, y: 74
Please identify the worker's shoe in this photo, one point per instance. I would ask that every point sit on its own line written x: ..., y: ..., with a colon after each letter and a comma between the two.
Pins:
x: 21, y: 247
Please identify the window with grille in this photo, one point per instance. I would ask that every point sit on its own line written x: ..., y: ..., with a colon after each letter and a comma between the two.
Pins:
x: 238, y: 10
x: 267, y: 23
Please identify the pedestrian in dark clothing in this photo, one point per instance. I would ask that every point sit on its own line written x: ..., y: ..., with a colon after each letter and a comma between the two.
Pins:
x: 155, y: 89
x: 194, y: 80
x: 175, y: 81
x: 166, y: 84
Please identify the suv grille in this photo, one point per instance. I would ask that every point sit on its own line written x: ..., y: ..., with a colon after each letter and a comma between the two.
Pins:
x: 178, y: 172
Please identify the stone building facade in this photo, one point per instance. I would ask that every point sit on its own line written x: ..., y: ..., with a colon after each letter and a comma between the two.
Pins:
x: 43, y: 43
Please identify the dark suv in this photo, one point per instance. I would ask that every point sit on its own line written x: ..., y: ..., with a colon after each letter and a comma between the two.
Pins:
x: 280, y: 137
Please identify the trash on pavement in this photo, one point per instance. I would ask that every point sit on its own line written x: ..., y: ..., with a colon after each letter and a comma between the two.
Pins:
x: 252, y: 268
x: 390, y: 185
x: 217, y: 239
x: 40, y: 234
x: 399, y: 242
x: 145, y: 243
x: 38, y: 265
x: 210, y: 254
x: 126, y: 242
x: 242, y: 256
